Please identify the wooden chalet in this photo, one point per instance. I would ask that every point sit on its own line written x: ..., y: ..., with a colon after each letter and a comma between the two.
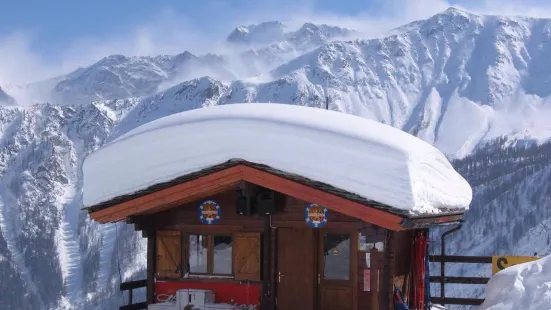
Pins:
x: 262, y: 238
x: 260, y: 205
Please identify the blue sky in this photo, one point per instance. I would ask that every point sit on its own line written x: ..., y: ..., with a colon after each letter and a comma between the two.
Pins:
x: 58, y: 23
x: 55, y: 24
x: 42, y: 38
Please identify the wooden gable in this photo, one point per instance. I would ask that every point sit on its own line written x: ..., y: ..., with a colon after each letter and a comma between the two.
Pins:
x: 228, y: 178
x: 225, y: 179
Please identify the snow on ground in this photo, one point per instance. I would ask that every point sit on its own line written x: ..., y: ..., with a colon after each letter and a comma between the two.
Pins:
x: 373, y: 160
x: 67, y: 242
x: 526, y: 286
x: 68, y: 249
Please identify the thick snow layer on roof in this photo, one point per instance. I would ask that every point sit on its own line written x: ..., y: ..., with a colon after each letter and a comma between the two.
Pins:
x: 526, y: 286
x: 370, y: 159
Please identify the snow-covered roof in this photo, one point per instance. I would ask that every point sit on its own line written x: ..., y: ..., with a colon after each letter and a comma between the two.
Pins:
x: 375, y: 161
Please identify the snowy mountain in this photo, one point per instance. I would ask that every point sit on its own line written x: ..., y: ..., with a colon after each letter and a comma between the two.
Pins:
x: 476, y: 86
x: 267, y: 33
x: 268, y: 45
x: 263, y: 33
x: 119, y: 77
x: 455, y: 80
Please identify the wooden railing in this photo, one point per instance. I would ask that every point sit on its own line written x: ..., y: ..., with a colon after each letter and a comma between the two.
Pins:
x: 129, y: 286
x: 442, y: 279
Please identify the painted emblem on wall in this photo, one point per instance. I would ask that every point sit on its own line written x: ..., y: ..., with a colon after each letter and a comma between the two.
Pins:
x: 315, y: 215
x: 209, y: 212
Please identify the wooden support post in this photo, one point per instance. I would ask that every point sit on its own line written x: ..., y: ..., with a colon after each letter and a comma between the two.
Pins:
x: 273, y: 267
x: 390, y: 269
x: 375, y: 261
x: 151, y: 261
x: 266, y: 302
x: 130, y: 296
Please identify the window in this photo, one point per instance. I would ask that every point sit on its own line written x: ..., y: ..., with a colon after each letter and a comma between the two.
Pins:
x: 336, y: 258
x: 198, y: 254
x: 222, y: 259
x: 235, y: 255
x: 210, y: 254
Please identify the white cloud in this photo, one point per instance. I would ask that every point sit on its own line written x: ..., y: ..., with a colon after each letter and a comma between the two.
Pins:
x: 167, y: 32
x: 19, y: 63
x: 539, y: 9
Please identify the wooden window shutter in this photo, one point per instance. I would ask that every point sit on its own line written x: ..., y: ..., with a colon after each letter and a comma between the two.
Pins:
x: 246, y: 256
x: 169, y: 254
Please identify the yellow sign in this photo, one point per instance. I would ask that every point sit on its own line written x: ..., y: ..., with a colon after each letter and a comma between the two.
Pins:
x: 502, y: 262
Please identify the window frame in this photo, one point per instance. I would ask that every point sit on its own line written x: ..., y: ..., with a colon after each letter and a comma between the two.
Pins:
x: 210, y: 255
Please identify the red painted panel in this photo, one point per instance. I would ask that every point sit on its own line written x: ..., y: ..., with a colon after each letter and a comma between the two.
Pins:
x: 231, y: 293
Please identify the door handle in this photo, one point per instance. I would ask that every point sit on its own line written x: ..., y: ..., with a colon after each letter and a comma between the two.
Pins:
x: 279, y: 275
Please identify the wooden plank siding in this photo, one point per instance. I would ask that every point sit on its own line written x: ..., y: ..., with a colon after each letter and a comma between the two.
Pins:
x: 185, y: 218
x: 290, y: 213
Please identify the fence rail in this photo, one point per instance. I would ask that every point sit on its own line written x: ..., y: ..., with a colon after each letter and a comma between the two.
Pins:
x: 443, y: 279
x: 460, y: 259
x: 130, y: 286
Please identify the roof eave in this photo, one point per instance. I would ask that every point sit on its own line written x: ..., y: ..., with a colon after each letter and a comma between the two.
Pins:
x: 423, y: 222
x: 392, y: 218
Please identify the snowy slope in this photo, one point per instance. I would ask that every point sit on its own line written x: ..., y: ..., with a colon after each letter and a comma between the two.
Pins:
x: 383, y: 164
x: 119, y: 77
x: 456, y: 80
x: 48, y: 239
x: 268, y: 45
x: 510, y: 213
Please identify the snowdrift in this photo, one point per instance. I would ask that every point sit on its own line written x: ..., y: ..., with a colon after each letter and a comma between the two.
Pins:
x: 526, y: 286
x: 370, y: 159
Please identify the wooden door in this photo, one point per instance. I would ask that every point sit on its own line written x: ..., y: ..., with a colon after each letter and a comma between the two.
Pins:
x: 296, y: 279
x: 336, y: 270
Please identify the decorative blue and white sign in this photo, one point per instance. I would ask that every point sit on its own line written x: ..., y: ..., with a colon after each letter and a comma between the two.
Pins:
x: 315, y: 215
x: 209, y: 212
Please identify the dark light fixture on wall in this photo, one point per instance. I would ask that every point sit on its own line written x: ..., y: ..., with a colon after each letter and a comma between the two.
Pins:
x: 265, y: 201
x: 244, y: 203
